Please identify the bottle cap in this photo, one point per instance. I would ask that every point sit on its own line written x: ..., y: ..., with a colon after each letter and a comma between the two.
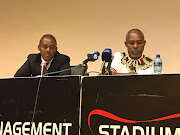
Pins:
x: 158, y: 55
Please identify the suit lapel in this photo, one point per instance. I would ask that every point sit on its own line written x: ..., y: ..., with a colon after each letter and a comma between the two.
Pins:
x: 38, y: 65
x: 54, y: 64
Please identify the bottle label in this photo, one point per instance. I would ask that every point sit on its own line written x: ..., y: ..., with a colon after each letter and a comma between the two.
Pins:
x: 157, y: 63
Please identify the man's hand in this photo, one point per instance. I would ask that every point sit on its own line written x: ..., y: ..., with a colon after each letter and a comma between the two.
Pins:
x: 130, y: 73
x: 133, y: 73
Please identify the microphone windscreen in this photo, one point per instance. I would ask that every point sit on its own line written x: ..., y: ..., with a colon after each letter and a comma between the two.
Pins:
x: 93, y: 56
x: 43, y: 64
x: 107, y: 55
x: 97, y: 53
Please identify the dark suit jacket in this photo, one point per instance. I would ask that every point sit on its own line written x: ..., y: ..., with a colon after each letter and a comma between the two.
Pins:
x: 32, y: 67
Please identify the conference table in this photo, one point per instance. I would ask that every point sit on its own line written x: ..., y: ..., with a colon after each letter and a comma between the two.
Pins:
x: 91, y: 105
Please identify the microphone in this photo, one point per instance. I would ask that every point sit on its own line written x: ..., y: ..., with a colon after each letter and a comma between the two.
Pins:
x: 93, y: 56
x: 106, y: 57
x: 42, y: 67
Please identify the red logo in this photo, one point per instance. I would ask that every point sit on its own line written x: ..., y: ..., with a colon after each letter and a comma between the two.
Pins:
x: 116, y: 118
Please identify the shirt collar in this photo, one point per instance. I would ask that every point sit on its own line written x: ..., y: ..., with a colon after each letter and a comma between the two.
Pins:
x: 49, y: 62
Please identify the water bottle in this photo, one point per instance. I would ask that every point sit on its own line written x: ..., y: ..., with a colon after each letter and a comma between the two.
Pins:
x: 157, y: 64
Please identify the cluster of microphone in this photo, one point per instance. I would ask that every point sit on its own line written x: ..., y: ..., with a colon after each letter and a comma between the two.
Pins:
x: 106, y: 60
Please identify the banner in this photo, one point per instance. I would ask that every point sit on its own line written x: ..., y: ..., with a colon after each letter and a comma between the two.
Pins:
x: 131, y: 105
x: 56, y: 112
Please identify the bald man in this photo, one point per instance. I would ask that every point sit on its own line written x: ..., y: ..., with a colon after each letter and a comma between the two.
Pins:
x: 135, y: 62
x: 49, y: 57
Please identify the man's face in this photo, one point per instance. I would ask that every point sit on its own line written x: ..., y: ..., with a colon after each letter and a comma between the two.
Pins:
x: 47, y: 48
x: 135, y: 45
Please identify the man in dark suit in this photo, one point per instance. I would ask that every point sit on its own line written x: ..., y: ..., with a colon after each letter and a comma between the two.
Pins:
x: 48, y: 58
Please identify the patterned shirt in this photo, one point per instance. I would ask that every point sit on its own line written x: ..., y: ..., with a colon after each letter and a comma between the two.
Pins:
x: 122, y: 63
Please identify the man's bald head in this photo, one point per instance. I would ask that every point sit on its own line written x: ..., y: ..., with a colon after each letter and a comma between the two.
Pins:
x: 48, y: 36
x: 135, y: 43
x: 137, y: 31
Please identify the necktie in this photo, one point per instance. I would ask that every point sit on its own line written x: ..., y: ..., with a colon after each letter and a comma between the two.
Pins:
x: 45, y: 70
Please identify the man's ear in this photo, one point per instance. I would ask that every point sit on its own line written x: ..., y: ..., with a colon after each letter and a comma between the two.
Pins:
x: 39, y: 47
x: 144, y: 42
x: 125, y: 43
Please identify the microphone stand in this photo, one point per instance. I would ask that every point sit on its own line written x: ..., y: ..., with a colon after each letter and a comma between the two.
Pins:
x: 85, y: 70
x: 102, y: 70
x: 109, y: 67
x: 84, y: 63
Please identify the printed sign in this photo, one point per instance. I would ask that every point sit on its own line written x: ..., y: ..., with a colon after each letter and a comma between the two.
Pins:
x: 56, y: 111
x: 131, y: 105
